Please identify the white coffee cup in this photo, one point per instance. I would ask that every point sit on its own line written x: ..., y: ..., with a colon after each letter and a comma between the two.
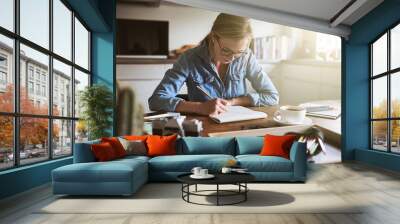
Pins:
x: 226, y: 170
x: 291, y: 114
x: 203, y: 172
x: 196, y: 171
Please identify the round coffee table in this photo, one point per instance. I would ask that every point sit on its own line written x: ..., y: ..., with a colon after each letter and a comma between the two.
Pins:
x: 238, y: 179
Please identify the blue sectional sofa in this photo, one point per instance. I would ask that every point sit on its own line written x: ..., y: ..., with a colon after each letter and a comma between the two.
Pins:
x: 125, y: 176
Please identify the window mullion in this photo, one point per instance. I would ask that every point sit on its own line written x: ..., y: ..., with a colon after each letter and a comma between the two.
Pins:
x: 371, y: 98
x: 389, y: 92
x: 50, y: 81
x: 16, y: 84
x: 389, y: 104
x: 73, y: 82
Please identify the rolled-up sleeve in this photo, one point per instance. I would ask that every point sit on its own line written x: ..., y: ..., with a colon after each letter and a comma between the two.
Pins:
x: 266, y: 93
x: 164, y: 96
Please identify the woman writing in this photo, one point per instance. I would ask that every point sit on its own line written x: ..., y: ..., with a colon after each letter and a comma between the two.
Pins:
x: 215, y: 73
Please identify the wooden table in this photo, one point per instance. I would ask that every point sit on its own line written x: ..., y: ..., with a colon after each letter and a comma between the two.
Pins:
x: 331, y: 128
x: 210, y: 126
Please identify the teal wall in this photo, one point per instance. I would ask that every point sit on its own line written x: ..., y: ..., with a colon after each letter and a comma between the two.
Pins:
x: 103, y: 52
x: 355, y: 86
x: 24, y: 178
x: 99, y: 15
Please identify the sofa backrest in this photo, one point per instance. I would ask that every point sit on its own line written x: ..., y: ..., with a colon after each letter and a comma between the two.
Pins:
x: 249, y: 145
x: 206, y: 145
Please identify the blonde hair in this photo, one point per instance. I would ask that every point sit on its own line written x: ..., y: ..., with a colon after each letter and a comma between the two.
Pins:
x: 230, y: 26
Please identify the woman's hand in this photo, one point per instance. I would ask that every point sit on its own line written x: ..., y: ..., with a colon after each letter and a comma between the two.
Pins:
x: 213, y: 107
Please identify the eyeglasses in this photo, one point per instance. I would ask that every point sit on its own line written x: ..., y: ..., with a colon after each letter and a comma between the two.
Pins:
x: 229, y: 53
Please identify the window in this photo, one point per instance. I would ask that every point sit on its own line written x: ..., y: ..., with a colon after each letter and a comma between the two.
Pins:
x: 81, y: 81
x: 44, y: 91
x: 385, y: 94
x: 81, y: 45
x: 49, y: 79
x: 7, y: 85
x: 62, y: 137
x: 395, y: 46
x: 3, y: 76
x: 62, y: 74
x: 30, y: 88
x: 33, y: 149
x: 34, y: 21
x: 3, y: 72
x: 38, y: 89
x: 62, y: 30
x: 38, y: 74
x: 6, y: 142
x: 30, y: 72
x: 3, y: 61
x: 7, y: 14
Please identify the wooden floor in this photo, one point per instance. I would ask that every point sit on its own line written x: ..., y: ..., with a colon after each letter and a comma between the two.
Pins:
x: 379, y: 189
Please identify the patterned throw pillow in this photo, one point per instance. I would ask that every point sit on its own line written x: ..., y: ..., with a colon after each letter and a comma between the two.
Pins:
x: 134, y: 147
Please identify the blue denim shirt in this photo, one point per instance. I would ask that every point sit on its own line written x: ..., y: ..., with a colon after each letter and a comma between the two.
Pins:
x: 194, y: 68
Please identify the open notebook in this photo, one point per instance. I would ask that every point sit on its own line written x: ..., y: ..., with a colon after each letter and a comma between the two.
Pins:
x: 238, y: 113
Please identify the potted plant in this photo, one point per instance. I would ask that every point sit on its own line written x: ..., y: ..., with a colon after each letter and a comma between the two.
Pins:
x: 96, y: 103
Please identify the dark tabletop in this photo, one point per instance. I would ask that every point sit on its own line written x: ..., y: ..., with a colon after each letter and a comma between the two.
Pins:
x: 220, y: 178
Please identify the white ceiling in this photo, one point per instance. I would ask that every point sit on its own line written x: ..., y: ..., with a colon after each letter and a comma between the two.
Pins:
x: 315, y: 15
x: 321, y: 9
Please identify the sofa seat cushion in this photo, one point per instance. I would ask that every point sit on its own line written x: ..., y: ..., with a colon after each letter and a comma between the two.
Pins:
x: 185, y: 163
x: 113, y: 171
x: 257, y: 163
x: 133, y: 158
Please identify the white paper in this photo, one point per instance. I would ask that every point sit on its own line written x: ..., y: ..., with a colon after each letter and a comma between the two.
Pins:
x: 238, y: 113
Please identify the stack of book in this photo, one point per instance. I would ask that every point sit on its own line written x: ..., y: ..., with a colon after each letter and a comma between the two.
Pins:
x: 314, y: 145
x: 321, y: 110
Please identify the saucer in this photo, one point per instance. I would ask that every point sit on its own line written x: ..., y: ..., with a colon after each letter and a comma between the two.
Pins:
x: 306, y: 121
x: 208, y: 176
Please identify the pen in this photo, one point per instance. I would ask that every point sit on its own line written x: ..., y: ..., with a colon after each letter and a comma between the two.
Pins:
x: 204, y: 92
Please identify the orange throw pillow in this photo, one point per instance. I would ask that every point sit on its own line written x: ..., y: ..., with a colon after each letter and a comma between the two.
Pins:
x: 116, y: 145
x: 277, y: 145
x: 161, y: 145
x: 103, y: 152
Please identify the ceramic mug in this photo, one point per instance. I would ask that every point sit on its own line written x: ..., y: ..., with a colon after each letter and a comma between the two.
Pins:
x: 203, y: 172
x: 291, y: 114
x: 196, y: 171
